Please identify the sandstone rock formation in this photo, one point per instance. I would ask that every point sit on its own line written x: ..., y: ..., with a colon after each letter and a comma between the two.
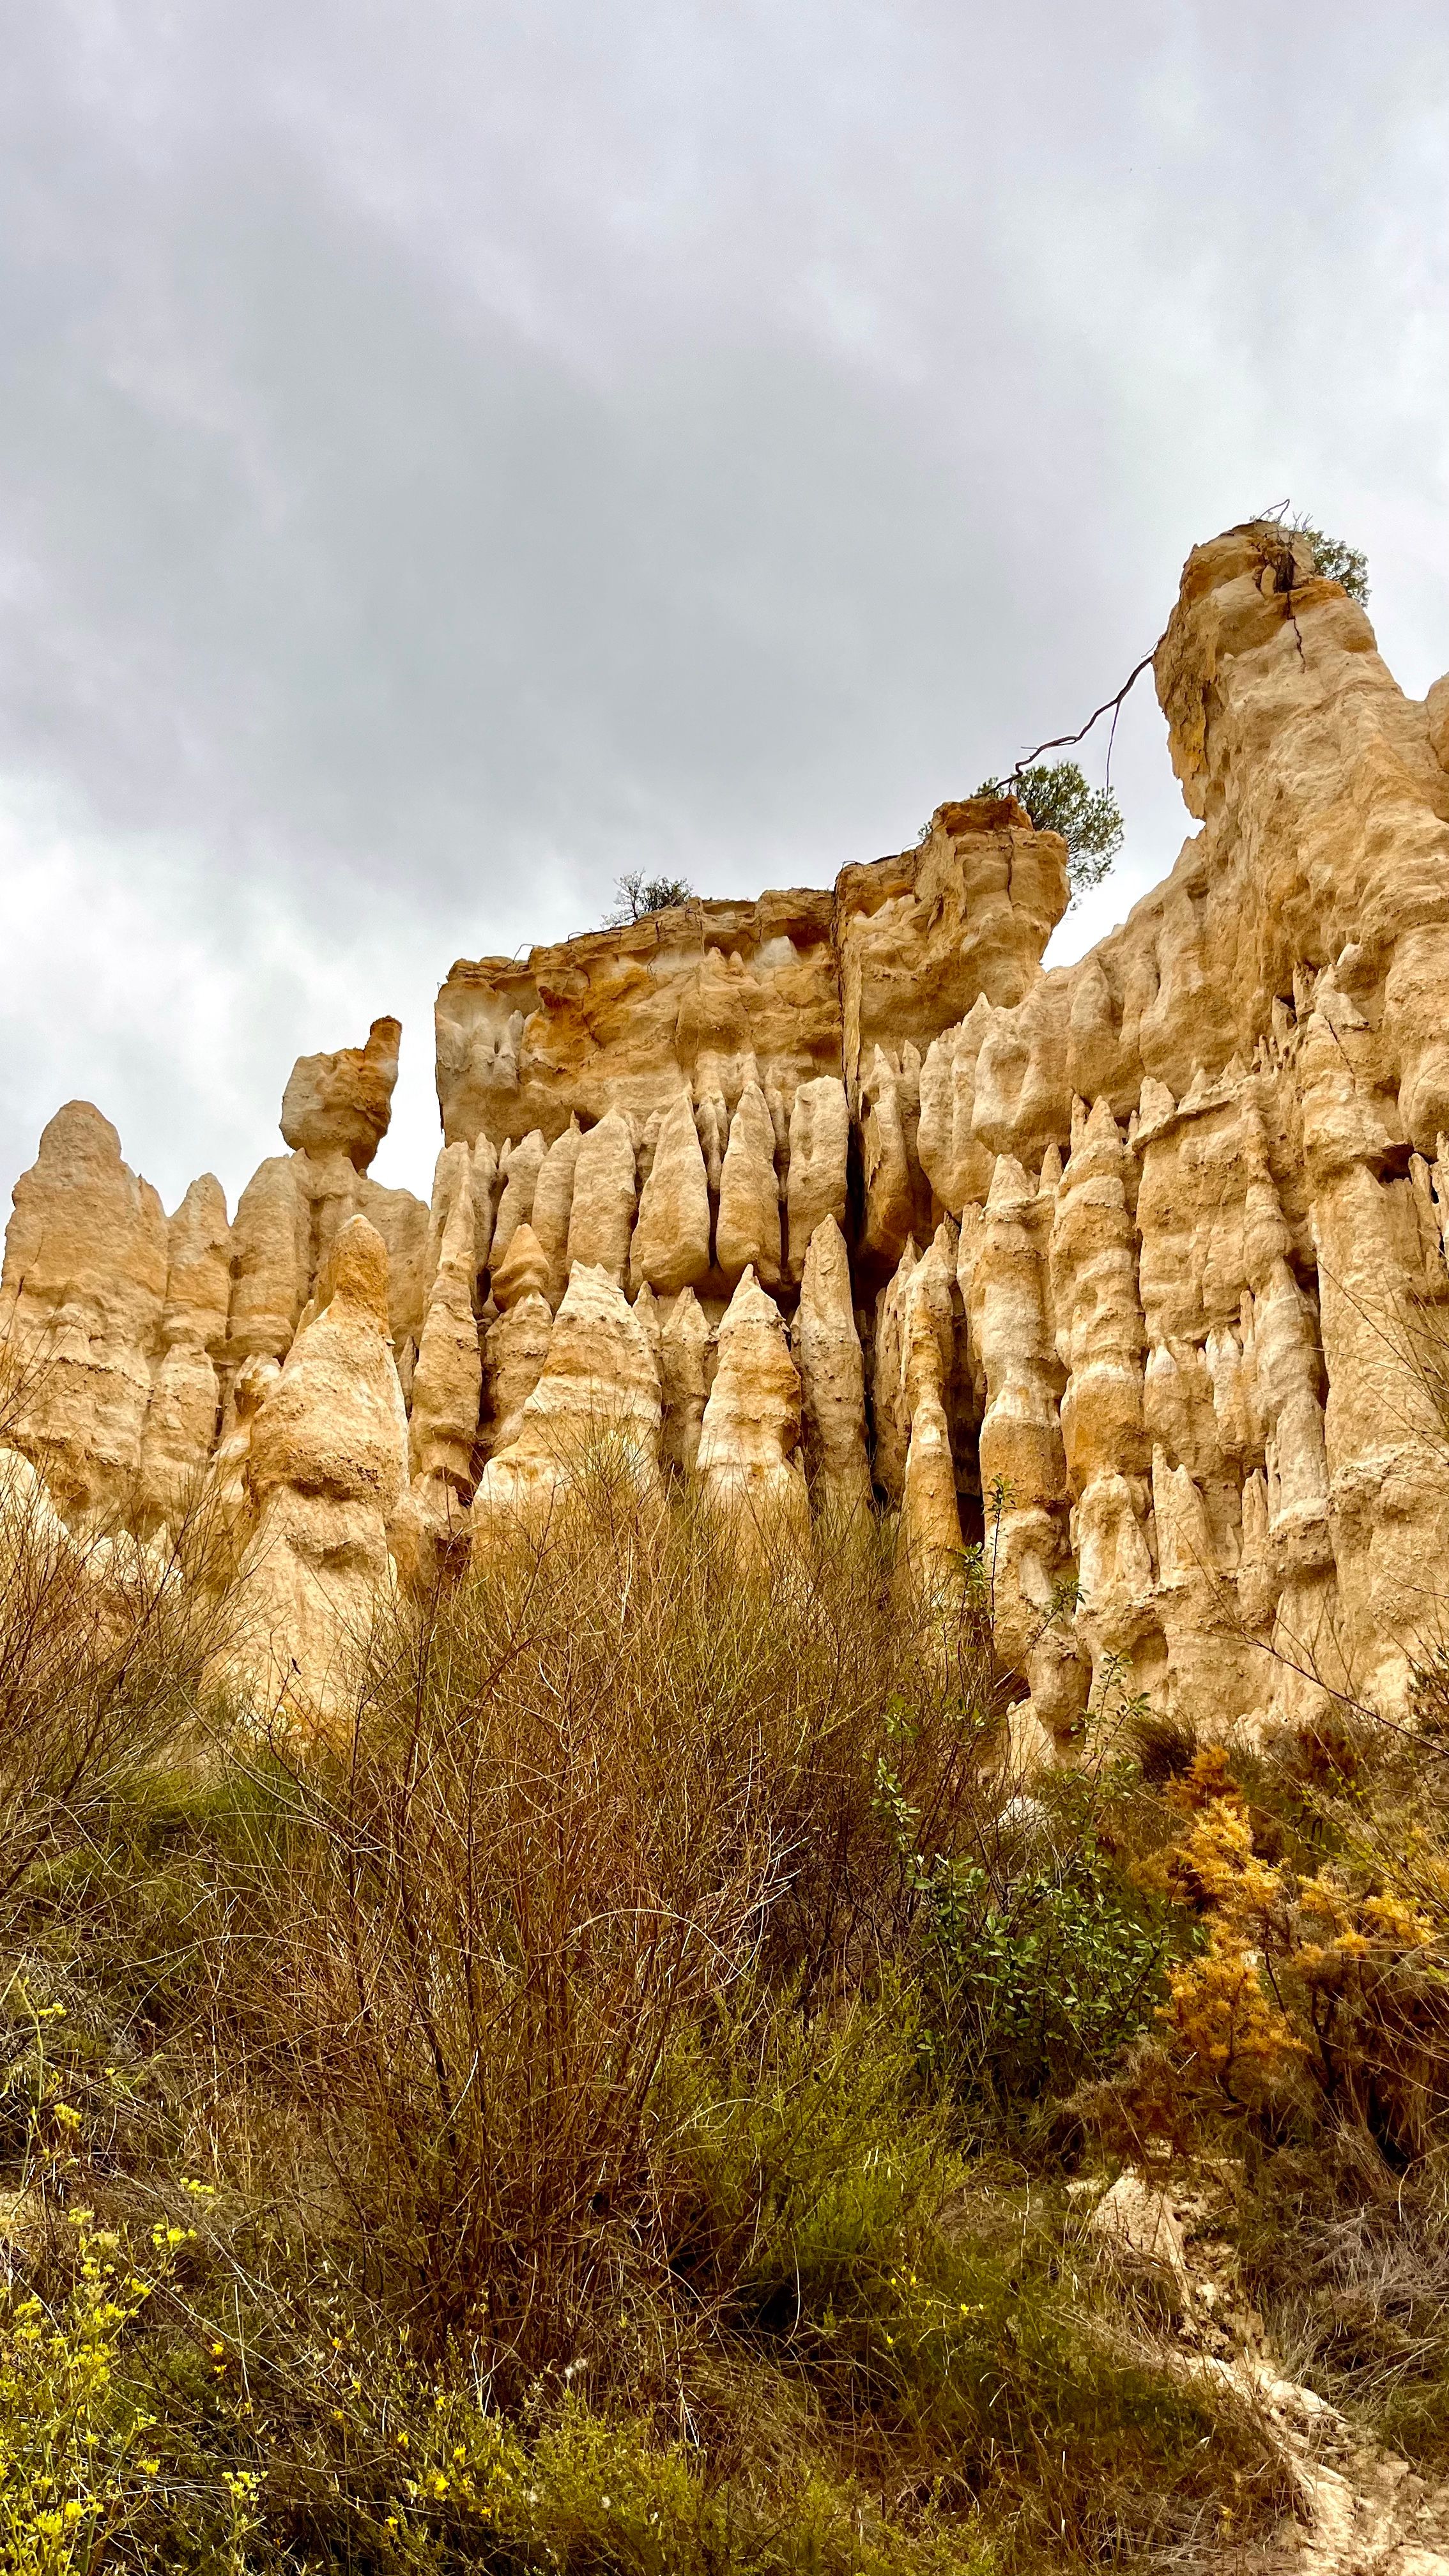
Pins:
x: 82, y: 1296
x: 595, y: 1401
x: 748, y: 1462
x: 326, y: 1463
x: 1131, y: 1273
x: 827, y: 1353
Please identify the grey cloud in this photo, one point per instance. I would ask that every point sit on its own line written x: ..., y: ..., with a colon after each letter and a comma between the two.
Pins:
x: 448, y: 454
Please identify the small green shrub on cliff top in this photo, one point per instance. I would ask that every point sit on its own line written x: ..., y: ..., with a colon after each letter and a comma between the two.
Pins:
x: 1336, y: 560
x: 1058, y: 799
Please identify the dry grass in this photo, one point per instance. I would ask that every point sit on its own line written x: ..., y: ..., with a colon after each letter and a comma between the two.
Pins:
x: 535, y: 2088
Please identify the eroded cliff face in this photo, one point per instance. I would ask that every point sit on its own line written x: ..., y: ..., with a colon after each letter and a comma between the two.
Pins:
x: 1132, y: 1273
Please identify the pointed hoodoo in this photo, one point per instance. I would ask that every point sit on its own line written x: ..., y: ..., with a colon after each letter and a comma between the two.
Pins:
x: 553, y: 1200
x: 523, y: 1271
x: 602, y: 1216
x: 1101, y: 1340
x: 747, y: 1229
x: 832, y: 1379
x: 684, y: 1350
x: 749, y: 1464
x: 82, y: 1295
x: 819, y: 1163
x: 181, y: 1420
x: 888, y: 1397
x: 595, y: 1405
x: 327, y: 1461
x: 515, y: 1347
x: 518, y: 1170
x: 1023, y: 1465
x: 930, y: 1514
x: 447, y: 1382
x: 670, y: 1248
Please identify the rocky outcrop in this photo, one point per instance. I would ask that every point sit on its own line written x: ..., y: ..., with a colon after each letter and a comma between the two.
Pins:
x: 82, y: 1298
x: 182, y: 1416
x: 595, y: 1403
x: 826, y: 1345
x: 326, y: 1463
x: 1130, y: 1274
x: 671, y: 1243
x: 748, y: 1462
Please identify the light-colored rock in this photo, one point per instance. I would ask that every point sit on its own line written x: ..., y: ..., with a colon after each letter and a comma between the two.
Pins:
x: 819, y: 1163
x: 749, y: 1465
x: 82, y: 1295
x: 326, y: 1464
x: 1136, y: 2218
x: 826, y: 1345
x: 889, y: 1409
x: 553, y: 1200
x: 596, y: 1399
x: 1199, y: 1367
x: 930, y: 1514
x: 602, y: 1216
x: 229, y: 1466
x: 181, y: 1419
x: 448, y: 1380
x: 890, y: 1191
x: 670, y: 1248
x: 747, y: 1228
x: 525, y: 1270
x: 514, y: 1350
x: 684, y: 1350
x: 1023, y: 1464
x: 518, y: 1170
x: 270, y: 1260
x: 342, y: 1103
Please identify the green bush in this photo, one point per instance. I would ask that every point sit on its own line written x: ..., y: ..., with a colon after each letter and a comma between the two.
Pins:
x: 575, y: 2055
x: 1335, y: 560
x: 1058, y: 799
x: 1039, y: 1963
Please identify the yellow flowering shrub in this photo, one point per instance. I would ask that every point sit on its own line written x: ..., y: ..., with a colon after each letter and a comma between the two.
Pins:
x: 1293, y: 1973
x: 74, y: 2469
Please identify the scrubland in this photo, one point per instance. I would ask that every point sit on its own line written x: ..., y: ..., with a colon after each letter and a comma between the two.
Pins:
x: 630, y: 2094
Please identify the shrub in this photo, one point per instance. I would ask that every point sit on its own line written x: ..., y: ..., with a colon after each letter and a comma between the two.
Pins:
x: 583, y: 1800
x: 1335, y: 560
x: 73, y: 2472
x: 1058, y: 799
x: 636, y: 896
x: 1040, y: 1962
x: 581, y: 2191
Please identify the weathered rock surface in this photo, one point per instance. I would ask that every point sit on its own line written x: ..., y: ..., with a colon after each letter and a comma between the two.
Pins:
x: 1170, y: 1351
x: 826, y: 1344
x: 82, y: 1295
x: 596, y: 1398
x: 748, y: 1461
x: 326, y: 1463
x: 341, y: 1104
x: 671, y: 1245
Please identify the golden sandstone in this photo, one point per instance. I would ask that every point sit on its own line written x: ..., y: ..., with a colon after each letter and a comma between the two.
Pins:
x: 1131, y: 1273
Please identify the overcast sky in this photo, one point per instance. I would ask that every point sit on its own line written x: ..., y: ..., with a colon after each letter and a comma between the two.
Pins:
x: 452, y: 452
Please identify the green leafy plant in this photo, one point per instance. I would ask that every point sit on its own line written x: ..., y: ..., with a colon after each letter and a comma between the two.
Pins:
x: 1335, y: 560
x: 73, y: 2475
x: 1038, y: 1967
x: 1058, y: 799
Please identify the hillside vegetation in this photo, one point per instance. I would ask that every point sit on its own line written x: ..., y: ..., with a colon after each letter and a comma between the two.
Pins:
x: 634, y: 2098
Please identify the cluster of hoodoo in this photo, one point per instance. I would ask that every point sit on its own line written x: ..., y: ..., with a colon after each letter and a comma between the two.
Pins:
x: 1130, y: 1275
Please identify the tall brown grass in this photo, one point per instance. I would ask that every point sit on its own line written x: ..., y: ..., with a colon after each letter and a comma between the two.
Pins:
x: 586, y: 1802
x: 529, y: 2081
